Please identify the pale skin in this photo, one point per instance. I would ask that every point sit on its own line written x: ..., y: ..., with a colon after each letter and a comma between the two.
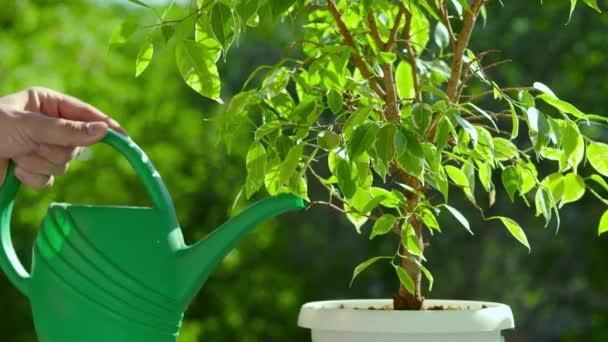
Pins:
x: 42, y: 130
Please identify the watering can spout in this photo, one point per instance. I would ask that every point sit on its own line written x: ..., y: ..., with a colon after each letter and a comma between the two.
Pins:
x: 198, y: 260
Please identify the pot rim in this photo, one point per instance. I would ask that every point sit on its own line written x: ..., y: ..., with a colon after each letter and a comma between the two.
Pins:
x: 328, y: 315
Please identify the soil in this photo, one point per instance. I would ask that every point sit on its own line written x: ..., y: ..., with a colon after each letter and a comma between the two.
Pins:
x: 389, y: 307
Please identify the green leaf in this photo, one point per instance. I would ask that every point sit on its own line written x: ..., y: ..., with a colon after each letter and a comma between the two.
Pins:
x: 485, y: 174
x: 223, y: 25
x: 198, y: 69
x: 597, y: 154
x: 544, y: 202
x: 356, y: 219
x: 485, y: 114
x: 364, y: 265
x: 144, y: 56
x: 385, y: 146
x: 572, y: 6
x: 599, y: 180
x: 593, y: 4
x: 204, y: 37
x: 306, y: 112
x: 405, y: 279
x: 289, y: 165
x: 357, y: 118
x: 421, y: 117
x: 362, y: 139
x: 504, y: 149
x: 514, y: 228
x: 458, y: 215
x: 248, y: 11
x: 280, y: 6
x: 603, y: 227
x: 335, y: 100
x: 420, y: 28
x: 140, y: 3
x: 563, y: 106
x: 555, y: 184
x: 528, y: 174
x: 514, y: 121
x: 256, y: 163
x: 122, y: 33
x: 346, y: 181
x: 271, y: 181
x: 404, y: 78
x: 427, y: 274
x: 442, y: 38
x: 573, y: 147
x: 276, y: 82
x: 383, y: 225
x: 460, y: 179
x: 386, y: 57
x: 265, y: 129
x: 390, y: 200
x: 512, y: 181
x: 328, y: 140
x: 574, y: 188
x: 282, y: 145
x: 372, y: 204
x: 526, y: 99
x: 443, y: 133
x: 409, y: 152
x: 410, y: 240
x: 467, y: 127
x: 542, y: 87
x: 429, y: 219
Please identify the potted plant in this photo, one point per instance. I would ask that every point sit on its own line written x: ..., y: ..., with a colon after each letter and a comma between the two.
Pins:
x: 388, y: 108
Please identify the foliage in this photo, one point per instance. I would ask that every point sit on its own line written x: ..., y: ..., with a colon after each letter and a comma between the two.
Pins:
x: 397, y: 118
x: 559, y: 294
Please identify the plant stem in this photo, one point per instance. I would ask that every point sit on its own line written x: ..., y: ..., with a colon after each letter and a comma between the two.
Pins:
x: 392, y: 112
x: 410, y: 54
x: 461, y: 44
x: 357, y: 59
x: 405, y: 300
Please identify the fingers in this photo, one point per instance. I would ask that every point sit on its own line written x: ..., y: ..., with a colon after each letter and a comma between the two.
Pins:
x: 56, y: 104
x: 37, y: 170
x: 36, y: 164
x: 33, y: 180
x: 45, y: 130
x: 58, y: 155
x: 3, y: 169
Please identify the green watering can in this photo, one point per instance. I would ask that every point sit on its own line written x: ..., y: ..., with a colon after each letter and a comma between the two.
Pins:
x: 119, y: 274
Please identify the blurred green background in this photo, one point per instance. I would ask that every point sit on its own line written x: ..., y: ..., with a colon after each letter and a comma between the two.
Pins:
x: 558, y: 293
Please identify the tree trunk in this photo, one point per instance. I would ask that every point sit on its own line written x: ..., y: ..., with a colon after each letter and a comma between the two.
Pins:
x: 404, y: 300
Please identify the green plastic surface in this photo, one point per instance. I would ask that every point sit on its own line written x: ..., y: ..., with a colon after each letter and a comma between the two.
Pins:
x: 115, y: 273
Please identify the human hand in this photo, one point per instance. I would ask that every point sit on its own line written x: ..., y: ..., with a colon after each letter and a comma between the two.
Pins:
x: 41, y: 130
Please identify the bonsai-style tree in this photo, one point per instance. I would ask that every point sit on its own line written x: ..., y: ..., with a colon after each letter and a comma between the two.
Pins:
x: 387, y: 108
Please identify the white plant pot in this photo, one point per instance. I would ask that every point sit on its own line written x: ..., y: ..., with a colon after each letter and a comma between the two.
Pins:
x: 352, y: 321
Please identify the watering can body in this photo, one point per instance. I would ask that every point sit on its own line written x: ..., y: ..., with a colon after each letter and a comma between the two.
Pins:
x: 120, y: 274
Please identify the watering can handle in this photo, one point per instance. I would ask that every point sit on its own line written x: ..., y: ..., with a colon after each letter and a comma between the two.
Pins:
x: 9, y: 262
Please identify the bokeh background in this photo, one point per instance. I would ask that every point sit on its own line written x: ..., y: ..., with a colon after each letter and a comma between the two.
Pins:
x: 559, y: 292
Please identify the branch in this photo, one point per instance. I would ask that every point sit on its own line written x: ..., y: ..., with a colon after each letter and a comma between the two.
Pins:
x: 446, y: 21
x: 473, y: 98
x: 371, y: 21
x: 410, y: 53
x: 357, y: 59
x: 390, y: 95
x: 475, y: 72
x: 392, y: 109
x: 461, y: 44
x: 392, y: 37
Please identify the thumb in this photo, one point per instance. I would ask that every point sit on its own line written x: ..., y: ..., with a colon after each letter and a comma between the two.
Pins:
x: 3, y: 169
x: 47, y: 130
